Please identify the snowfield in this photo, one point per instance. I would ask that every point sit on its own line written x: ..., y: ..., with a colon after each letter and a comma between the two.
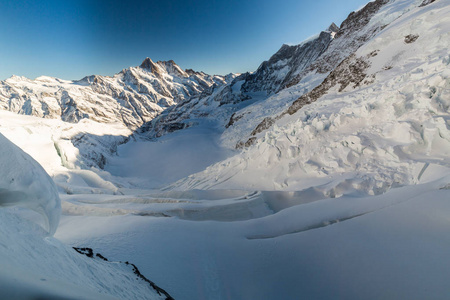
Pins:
x: 343, y: 193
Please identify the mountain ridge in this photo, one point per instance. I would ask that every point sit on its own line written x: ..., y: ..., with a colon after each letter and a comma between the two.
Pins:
x: 132, y: 96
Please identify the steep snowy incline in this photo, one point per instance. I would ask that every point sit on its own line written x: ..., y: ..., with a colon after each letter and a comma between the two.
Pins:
x: 24, y: 183
x: 132, y: 97
x: 355, y: 31
x: 379, y: 120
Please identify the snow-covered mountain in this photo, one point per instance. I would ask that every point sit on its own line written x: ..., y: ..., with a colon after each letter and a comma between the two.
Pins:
x: 283, y: 66
x: 219, y: 103
x: 379, y: 117
x: 323, y: 174
x: 287, y: 75
x: 133, y: 96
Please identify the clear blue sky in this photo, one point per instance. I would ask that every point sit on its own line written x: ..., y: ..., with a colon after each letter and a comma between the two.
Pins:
x: 70, y: 39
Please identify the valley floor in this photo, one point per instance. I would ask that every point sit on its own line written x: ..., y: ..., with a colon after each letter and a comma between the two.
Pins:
x: 246, y: 244
x: 275, y: 245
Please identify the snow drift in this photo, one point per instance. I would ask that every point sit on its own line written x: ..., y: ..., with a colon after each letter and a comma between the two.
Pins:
x: 23, y: 182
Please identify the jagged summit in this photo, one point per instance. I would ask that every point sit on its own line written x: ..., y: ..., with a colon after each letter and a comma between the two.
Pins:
x: 147, y: 63
x: 133, y: 96
x: 150, y: 66
x: 333, y: 28
x: 162, y: 66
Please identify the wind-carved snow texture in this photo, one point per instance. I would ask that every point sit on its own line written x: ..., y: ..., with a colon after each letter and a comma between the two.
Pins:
x: 24, y: 183
x: 132, y: 97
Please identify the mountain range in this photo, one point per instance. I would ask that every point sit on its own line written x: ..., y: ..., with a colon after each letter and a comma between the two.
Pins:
x: 325, y: 173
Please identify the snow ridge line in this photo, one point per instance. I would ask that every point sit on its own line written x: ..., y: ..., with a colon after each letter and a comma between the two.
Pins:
x: 89, y: 252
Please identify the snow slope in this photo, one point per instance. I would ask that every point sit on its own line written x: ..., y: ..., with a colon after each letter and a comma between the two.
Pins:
x: 24, y: 183
x: 34, y: 264
x: 37, y: 267
x: 369, y: 135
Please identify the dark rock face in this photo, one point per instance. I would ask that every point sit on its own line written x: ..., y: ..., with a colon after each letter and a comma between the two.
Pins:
x: 357, y: 20
x: 426, y: 2
x: 265, y: 124
x: 333, y: 28
x: 350, y: 71
x: 149, y: 65
x: 411, y: 38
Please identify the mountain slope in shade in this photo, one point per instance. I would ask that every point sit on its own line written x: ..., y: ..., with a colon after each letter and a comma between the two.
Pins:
x: 282, y: 67
x: 357, y: 29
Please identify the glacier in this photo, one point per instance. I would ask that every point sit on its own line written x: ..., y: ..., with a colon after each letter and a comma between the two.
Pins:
x: 323, y: 174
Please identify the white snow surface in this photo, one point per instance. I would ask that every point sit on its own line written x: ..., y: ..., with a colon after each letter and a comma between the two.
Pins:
x: 347, y: 198
x: 24, y: 183
x: 37, y: 267
x: 34, y: 264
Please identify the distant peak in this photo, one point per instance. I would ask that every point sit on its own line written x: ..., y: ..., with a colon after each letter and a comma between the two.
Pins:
x: 333, y: 28
x: 147, y: 64
x: 172, y: 68
x: 166, y: 63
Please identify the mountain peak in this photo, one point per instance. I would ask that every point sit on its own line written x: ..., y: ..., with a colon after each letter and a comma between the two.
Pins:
x: 333, y: 28
x: 147, y: 64
x: 172, y: 68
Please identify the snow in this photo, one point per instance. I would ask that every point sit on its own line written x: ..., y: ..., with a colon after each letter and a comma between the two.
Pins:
x: 24, y: 183
x: 347, y: 198
x: 35, y: 266
x: 375, y: 135
x: 132, y: 97
x: 170, y: 158
x: 348, y: 247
